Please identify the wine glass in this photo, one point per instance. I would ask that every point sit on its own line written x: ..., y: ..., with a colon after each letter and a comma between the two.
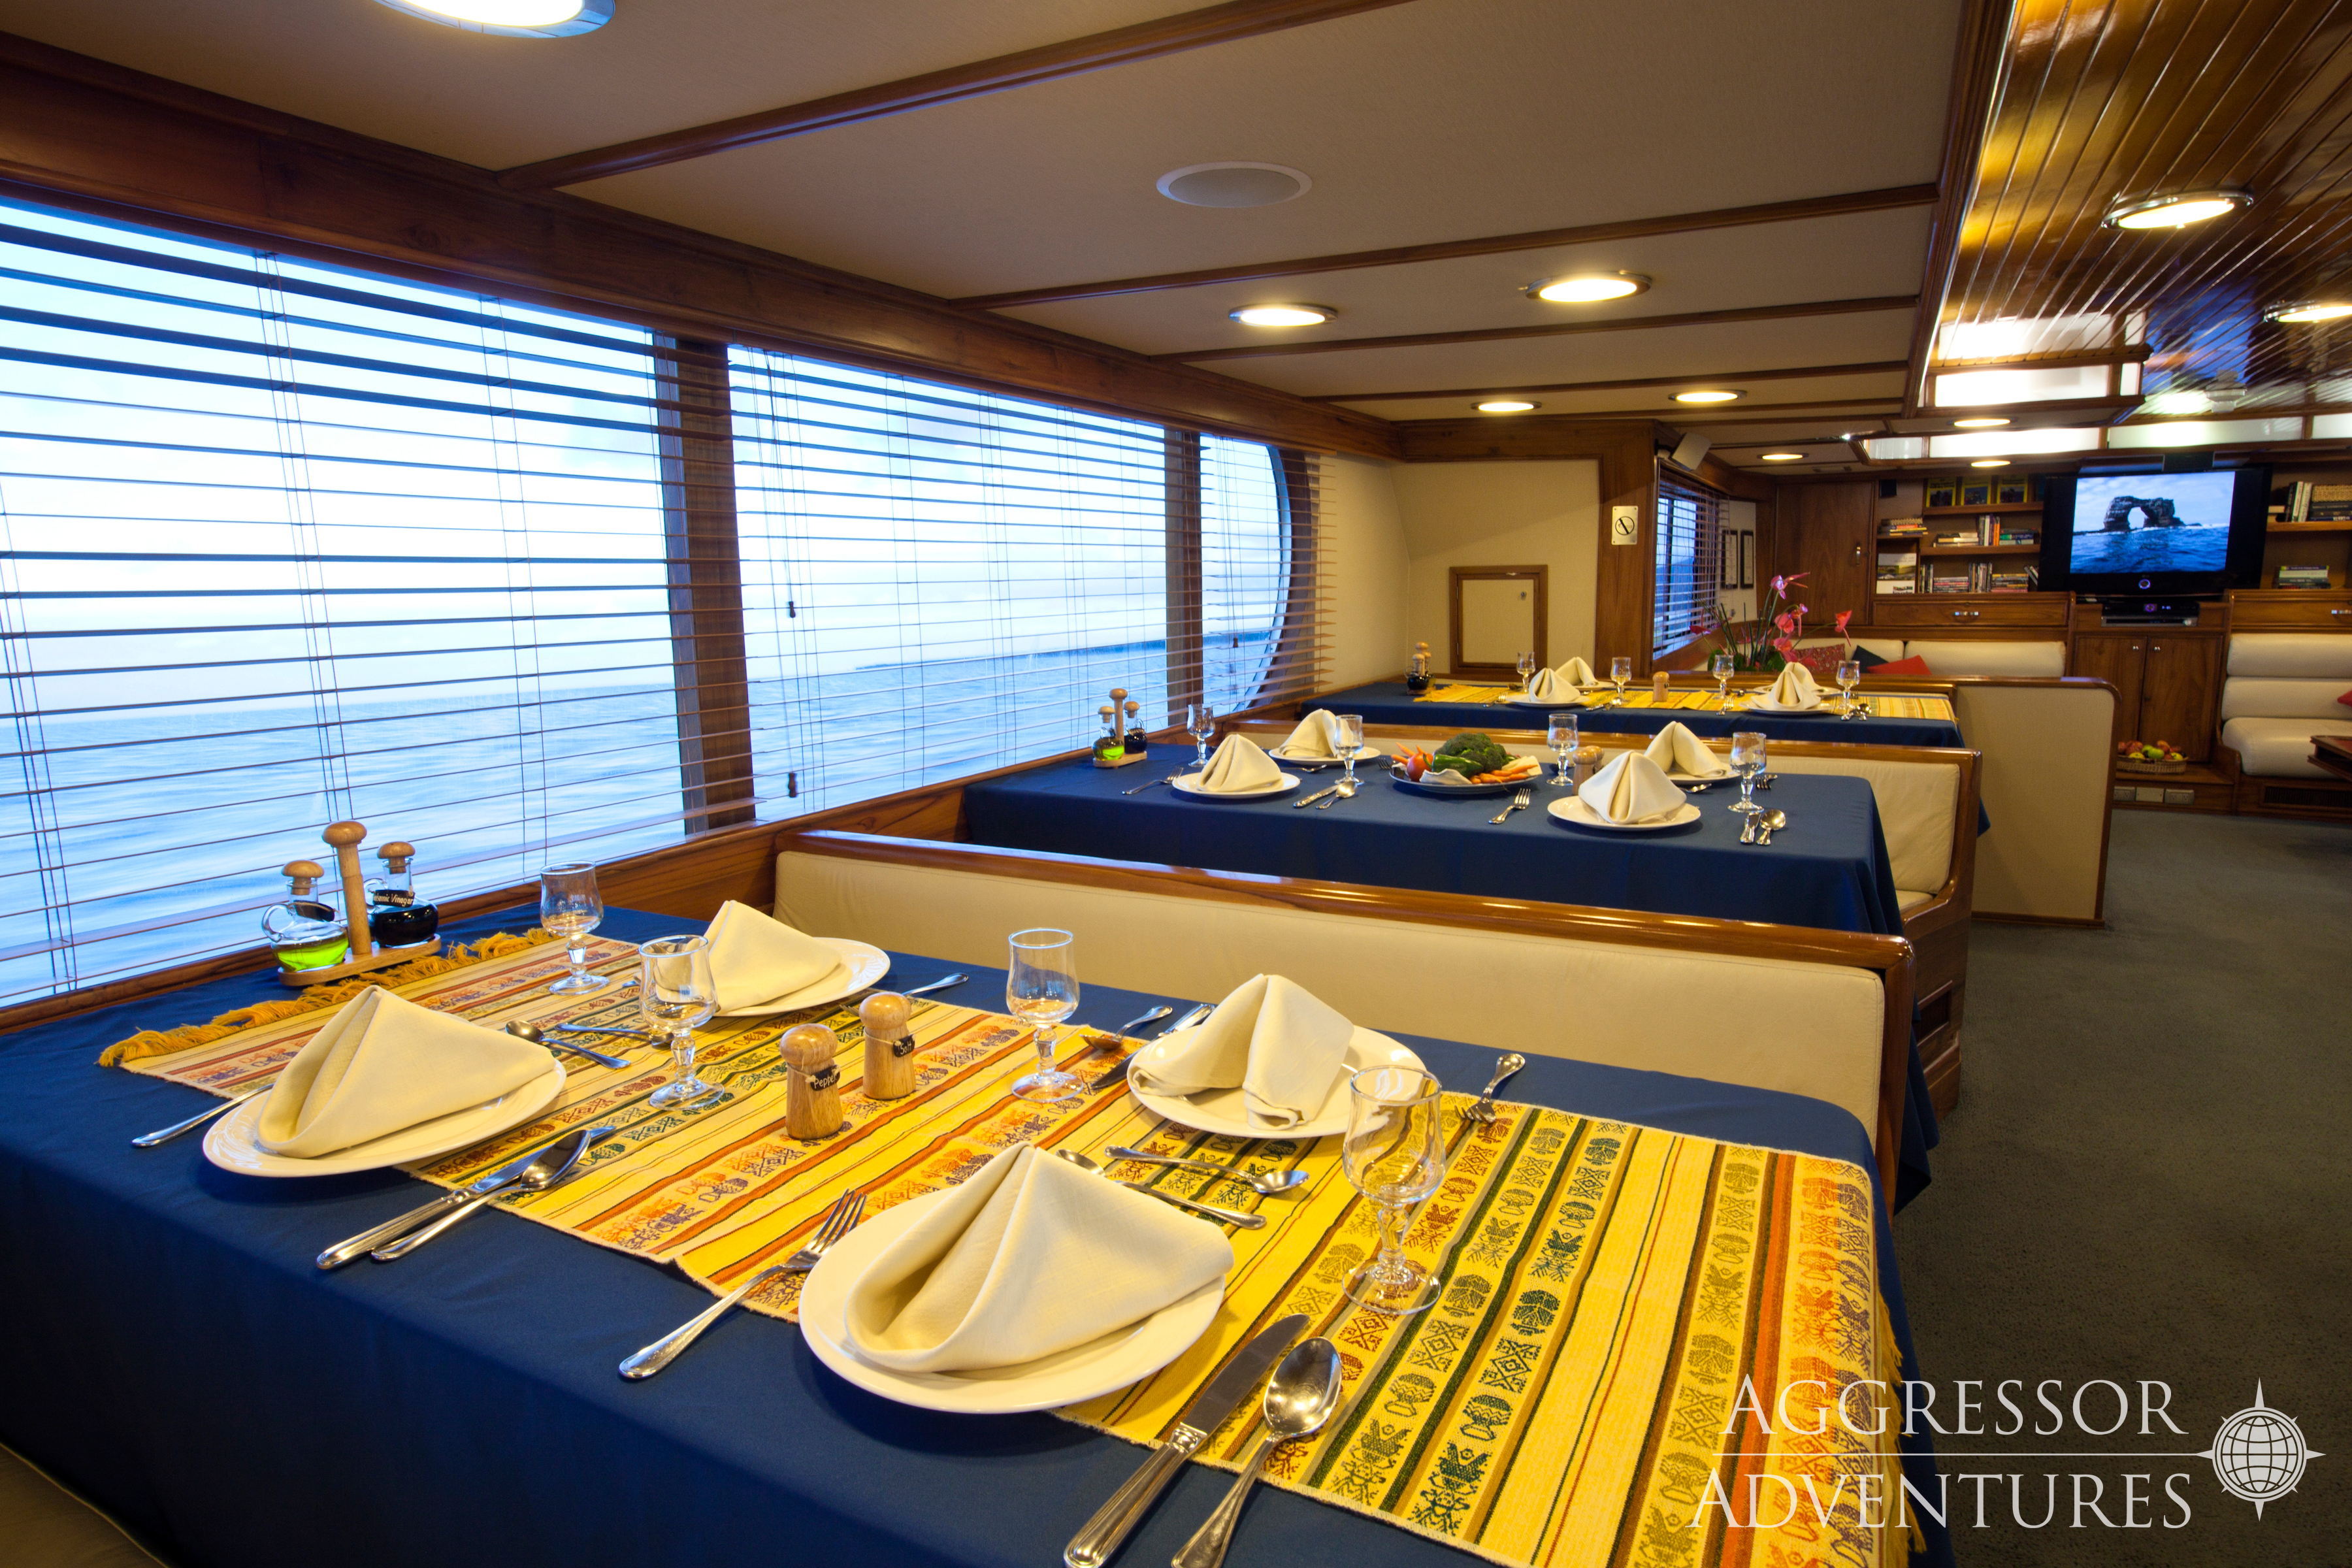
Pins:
x: 1527, y: 669
x: 675, y: 993
x: 1725, y: 665
x: 570, y: 907
x: 1041, y: 989
x: 1395, y: 1153
x: 1559, y: 730
x: 1352, y: 741
x: 1620, y: 670
x: 1201, y: 724
x: 1747, y: 756
x: 1849, y: 674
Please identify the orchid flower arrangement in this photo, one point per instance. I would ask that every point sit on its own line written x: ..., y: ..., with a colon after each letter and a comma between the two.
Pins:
x: 1764, y: 644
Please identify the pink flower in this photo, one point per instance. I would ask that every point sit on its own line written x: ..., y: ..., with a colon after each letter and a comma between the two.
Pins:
x: 1780, y: 584
x: 1784, y: 646
x: 1786, y: 623
x: 1842, y: 617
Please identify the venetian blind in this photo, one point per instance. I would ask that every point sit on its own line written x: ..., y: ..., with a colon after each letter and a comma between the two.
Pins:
x: 284, y: 543
x: 1683, y: 593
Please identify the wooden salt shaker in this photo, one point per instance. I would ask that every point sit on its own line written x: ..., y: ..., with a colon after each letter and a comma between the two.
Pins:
x: 812, y: 1091
x: 1586, y: 760
x: 889, y: 1046
x: 1658, y: 686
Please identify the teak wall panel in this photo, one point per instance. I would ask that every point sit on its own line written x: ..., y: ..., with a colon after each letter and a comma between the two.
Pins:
x: 142, y: 147
x: 1829, y: 532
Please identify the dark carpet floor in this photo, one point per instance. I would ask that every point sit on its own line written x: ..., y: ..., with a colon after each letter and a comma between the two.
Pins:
x: 2147, y: 1178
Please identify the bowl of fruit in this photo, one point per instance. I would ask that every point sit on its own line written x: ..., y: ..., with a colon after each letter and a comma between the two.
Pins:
x: 1469, y: 764
x: 2147, y: 757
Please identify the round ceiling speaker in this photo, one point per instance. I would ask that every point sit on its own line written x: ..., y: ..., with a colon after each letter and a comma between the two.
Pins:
x: 1234, y: 185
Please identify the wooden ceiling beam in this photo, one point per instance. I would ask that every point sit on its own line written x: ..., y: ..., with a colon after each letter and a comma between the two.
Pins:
x: 1025, y: 68
x: 1494, y: 245
x: 1554, y: 329
x: 1976, y: 77
x: 1789, y: 372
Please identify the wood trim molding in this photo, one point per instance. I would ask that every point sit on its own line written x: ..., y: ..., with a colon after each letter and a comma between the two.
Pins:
x: 2134, y: 354
x: 1978, y: 54
x: 1789, y: 372
x: 1553, y: 329
x: 1492, y: 245
x: 1025, y: 68
x: 122, y: 143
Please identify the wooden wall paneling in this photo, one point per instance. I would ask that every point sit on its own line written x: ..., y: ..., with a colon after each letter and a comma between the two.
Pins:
x: 1829, y: 531
x: 122, y: 143
x: 706, y: 583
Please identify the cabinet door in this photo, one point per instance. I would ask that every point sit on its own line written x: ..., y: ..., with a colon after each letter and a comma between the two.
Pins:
x: 1829, y: 532
x: 2115, y: 657
x: 2177, y: 694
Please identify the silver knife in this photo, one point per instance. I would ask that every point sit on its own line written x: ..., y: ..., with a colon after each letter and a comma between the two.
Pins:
x: 1094, y: 1544
x: 1310, y: 800
x: 358, y: 1247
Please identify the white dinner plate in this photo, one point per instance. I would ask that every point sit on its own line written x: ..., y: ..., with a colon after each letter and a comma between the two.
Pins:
x: 1421, y: 786
x: 1573, y: 809
x: 233, y: 1143
x: 1363, y: 754
x: 1521, y: 700
x: 1068, y: 1377
x: 1221, y: 1109
x: 862, y: 965
x: 1184, y: 785
x: 1702, y: 778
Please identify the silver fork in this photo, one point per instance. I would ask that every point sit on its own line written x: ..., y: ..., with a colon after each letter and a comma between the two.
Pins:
x: 847, y: 1209
x: 1147, y: 784
x: 1519, y: 802
x: 1483, y: 1108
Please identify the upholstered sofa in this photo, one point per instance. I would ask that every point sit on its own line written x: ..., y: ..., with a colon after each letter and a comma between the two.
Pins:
x: 2281, y: 689
x: 2034, y: 659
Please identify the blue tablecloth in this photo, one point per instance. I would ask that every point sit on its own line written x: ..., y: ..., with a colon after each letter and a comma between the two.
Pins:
x: 1828, y: 868
x: 1387, y: 702
x: 180, y: 1360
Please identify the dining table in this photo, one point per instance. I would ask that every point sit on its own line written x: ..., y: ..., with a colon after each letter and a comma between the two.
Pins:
x: 1898, y: 718
x: 182, y: 1361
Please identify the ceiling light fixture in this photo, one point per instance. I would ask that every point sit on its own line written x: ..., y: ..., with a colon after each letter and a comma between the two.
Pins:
x: 1987, y: 423
x: 1506, y: 406
x: 512, y: 19
x: 1784, y: 456
x: 1990, y: 463
x: 1709, y: 396
x: 1234, y: 185
x: 1585, y: 287
x: 2302, y: 312
x: 2176, y: 209
x: 1283, y: 315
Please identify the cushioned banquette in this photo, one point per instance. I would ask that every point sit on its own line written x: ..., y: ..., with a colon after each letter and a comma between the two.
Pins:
x: 1956, y: 657
x: 2282, y: 689
x: 1821, y: 1014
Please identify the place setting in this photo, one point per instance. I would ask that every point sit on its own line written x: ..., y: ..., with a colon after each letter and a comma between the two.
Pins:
x: 1631, y: 794
x: 1568, y: 686
x: 1325, y: 740
x: 1240, y: 771
x: 1793, y: 693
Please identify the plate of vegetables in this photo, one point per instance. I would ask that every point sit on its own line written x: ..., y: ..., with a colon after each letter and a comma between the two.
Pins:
x: 1469, y: 765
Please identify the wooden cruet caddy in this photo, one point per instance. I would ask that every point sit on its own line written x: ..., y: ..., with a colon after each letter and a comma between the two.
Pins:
x: 345, y: 839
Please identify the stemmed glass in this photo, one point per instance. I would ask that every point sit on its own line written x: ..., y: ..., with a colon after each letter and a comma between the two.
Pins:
x: 1352, y: 741
x: 1849, y: 674
x: 1395, y: 1153
x: 570, y: 907
x: 1559, y: 730
x: 675, y: 993
x: 1527, y: 669
x: 1747, y: 756
x: 1620, y: 670
x: 1725, y: 665
x: 1201, y: 724
x: 1041, y: 989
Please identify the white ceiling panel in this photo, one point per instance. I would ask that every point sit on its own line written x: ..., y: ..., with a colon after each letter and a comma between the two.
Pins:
x: 1882, y: 390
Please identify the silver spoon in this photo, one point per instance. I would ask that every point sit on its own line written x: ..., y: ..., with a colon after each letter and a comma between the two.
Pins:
x: 1772, y: 820
x: 1271, y: 1186
x: 1344, y: 790
x: 1303, y: 1394
x: 1229, y: 1217
x: 537, y: 1037
x: 554, y: 1162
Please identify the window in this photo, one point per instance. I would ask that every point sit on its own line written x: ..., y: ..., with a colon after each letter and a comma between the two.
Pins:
x: 1683, y: 604
x: 284, y: 544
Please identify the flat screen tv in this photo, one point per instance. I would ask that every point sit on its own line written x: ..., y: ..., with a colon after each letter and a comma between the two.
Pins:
x: 2155, y: 533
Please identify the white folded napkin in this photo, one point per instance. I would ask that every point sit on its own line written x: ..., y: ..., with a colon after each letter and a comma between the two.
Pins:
x: 1317, y: 735
x: 382, y: 1065
x: 1632, y: 789
x: 1576, y: 672
x: 1550, y: 686
x: 1238, y: 766
x: 756, y: 959
x: 1676, y: 750
x: 1030, y: 1256
x: 1796, y: 688
x: 1273, y: 1036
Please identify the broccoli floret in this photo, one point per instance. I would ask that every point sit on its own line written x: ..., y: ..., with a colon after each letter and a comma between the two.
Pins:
x: 1476, y: 748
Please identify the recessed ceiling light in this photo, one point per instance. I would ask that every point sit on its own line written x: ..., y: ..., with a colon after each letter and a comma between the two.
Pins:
x: 1234, y: 185
x: 2176, y: 209
x: 1713, y: 397
x: 1990, y: 463
x: 512, y: 19
x: 1506, y: 406
x: 1987, y: 423
x: 1784, y: 456
x: 1584, y: 288
x: 2305, y: 311
x: 1283, y: 315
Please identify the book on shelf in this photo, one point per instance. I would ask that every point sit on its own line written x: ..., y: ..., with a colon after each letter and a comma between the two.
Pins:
x: 2011, y: 582
x: 1906, y: 559
x: 1945, y: 582
x: 2303, y: 576
x: 2018, y: 536
x: 1891, y: 526
x: 1951, y: 538
x: 1898, y: 584
x: 2329, y: 512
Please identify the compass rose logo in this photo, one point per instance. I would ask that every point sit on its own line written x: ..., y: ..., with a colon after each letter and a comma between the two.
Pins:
x: 2259, y: 1454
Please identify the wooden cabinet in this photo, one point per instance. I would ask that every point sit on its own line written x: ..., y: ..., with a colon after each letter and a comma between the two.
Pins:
x: 2117, y: 658
x: 2291, y: 610
x: 1963, y: 611
x: 2167, y: 679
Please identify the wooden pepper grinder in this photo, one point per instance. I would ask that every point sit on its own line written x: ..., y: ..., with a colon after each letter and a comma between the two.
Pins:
x: 346, y: 837
x: 812, y: 1092
x: 889, y: 1046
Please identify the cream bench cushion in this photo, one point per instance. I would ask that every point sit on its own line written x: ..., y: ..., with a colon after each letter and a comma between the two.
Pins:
x: 2294, y: 655
x: 1916, y: 802
x: 2044, y: 782
x: 2027, y: 658
x: 2280, y: 748
x: 1802, y: 1028
x: 2281, y: 691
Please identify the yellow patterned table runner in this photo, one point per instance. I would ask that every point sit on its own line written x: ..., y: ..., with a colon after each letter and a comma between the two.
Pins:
x: 1579, y: 1394
x: 1886, y: 704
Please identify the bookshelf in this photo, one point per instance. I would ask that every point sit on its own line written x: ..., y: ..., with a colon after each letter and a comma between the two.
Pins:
x: 1913, y: 561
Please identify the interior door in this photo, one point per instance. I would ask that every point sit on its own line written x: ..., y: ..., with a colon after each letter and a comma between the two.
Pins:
x: 1829, y: 532
x: 2116, y: 657
x: 2177, y: 693
x: 1498, y: 614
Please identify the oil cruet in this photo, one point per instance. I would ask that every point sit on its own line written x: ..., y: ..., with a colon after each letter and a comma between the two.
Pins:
x: 303, y: 931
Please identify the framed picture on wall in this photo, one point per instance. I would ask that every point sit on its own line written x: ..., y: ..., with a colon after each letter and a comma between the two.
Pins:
x: 1728, y: 564
x: 1747, y: 558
